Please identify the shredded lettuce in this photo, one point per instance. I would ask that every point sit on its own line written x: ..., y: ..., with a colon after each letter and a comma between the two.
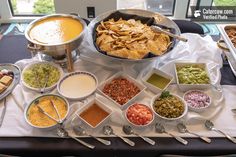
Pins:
x: 35, y: 76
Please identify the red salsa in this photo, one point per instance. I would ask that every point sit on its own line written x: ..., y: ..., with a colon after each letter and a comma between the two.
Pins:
x: 121, y: 90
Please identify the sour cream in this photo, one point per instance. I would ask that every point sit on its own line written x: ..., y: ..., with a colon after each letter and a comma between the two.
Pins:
x: 78, y: 85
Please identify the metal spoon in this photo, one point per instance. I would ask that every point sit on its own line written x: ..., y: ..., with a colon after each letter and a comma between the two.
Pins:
x: 233, y: 110
x: 128, y: 130
x: 81, y: 131
x: 160, y: 129
x: 158, y: 29
x: 210, y: 126
x: 45, y: 84
x: 183, y: 129
x: 55, y: 108
x: 3, y: 111
x: 107, y: 130
x: 45, y: 113
x: 61, y: 132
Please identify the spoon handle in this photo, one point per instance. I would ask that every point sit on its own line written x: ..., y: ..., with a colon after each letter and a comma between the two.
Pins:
x: 126, y: 140
x: 55, y: 108
x: 45, y: 84
x: 158, y: 29
x: 82, y: 142
x: 48, y: 115
x: 226, y: 135
x: 106, y: 142
x: 206, y: 139
x: 178, y: 138
x: 148, y: 140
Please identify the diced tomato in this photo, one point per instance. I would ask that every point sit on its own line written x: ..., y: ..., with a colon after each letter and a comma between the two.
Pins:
x: 139, y: 114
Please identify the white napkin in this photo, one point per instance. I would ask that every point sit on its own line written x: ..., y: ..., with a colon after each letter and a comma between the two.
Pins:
x: 199, y: 49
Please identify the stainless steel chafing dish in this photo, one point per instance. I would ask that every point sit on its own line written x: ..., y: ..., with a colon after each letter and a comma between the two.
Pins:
x: 159, y: 19
x: 230, y: 50
x: 59, y: 49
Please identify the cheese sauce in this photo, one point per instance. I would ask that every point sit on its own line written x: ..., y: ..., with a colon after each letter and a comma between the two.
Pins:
x: 54, y: 30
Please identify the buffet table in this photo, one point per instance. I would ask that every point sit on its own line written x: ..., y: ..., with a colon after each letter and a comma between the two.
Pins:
x: 13, y: 143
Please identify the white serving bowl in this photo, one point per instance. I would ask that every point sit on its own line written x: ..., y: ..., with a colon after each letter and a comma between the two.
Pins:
x: 102, y: 122
x: 43, y: 62
x: 170, y: 119
x: 152, y: 87
x: 136, y: 125
x: 75, y: 86
x: 129, y: 78
x: 186, y: 87
x: 197, y: 109
x: 38, y: 98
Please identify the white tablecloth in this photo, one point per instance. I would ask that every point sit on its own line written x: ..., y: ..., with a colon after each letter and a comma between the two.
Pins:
x: 197, y: 49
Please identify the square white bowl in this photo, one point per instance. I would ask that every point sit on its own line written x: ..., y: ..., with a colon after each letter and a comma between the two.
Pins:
x: 152, y: 87
x: 129, y: 78
x: 186, y: 87
x: 102, y: 106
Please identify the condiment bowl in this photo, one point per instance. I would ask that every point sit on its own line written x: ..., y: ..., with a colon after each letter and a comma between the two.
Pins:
x: 95, y: 112
x: 182, y: 115
x: 163, y: 78
x: 77, y: 85
x: 131, y: 80
x: 189, y: 86
x: 139, y: 113
x: 197, y: 101
x: 38, y: 78
x: 36, y: 111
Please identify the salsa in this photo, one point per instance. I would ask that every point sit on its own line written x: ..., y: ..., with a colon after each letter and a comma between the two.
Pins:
x: 168, y: 106
x: 121, y: 90
x: 94, y: 115
x: 139, y: 114
x: 158, y: 81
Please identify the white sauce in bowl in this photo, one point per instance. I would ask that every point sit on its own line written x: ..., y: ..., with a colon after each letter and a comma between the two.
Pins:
x: 78, y: 86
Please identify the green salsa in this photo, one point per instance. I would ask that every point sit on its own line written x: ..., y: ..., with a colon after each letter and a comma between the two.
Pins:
x: 158, y: 81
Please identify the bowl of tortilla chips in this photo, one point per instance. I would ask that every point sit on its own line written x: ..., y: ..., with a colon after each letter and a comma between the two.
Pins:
x: 127, y: 35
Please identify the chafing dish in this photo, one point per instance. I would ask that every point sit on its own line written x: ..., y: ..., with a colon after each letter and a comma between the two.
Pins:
x: 227, y: 45
x: 57, y: 50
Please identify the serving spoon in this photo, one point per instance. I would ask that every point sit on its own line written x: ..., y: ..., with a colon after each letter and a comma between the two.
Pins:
x: 183, y: 129
x: 107, y: 130
x: 45, y: 83
x: 233, y: 110
x: 210, y: 126
x: 81, y: 131
x: 61, y: 132
x: 161, y: 129
x: 158, y: 29
x: 129, y: 131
